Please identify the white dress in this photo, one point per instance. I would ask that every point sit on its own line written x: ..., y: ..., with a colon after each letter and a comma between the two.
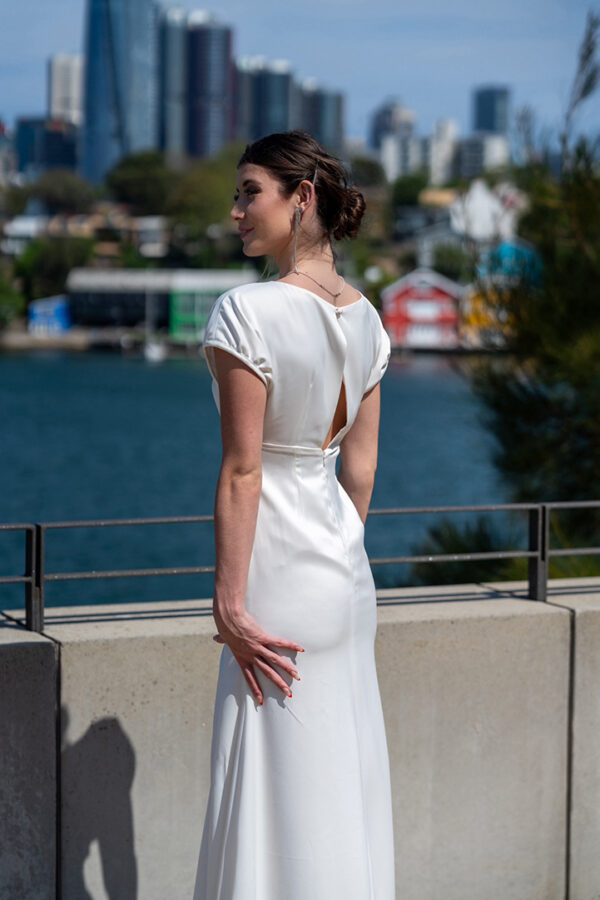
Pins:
x: 300, y: 805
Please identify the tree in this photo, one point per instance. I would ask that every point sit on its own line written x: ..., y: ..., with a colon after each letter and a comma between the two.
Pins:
x: 406, y: 189
x: 12, y: 304
x: 542, y: 400
x: 453, y: 262
x: 366, y: 172
x: 199, y: 206
x: 143, y: 182
x: 13, y: 200
x: 45, y: 264
x: 62, y: 191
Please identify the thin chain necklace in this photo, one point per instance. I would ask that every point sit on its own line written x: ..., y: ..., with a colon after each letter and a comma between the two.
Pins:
x: 334, y: 294
x: 296, y: 271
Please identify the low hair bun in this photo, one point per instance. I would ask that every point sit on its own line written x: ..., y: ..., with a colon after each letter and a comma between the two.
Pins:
x: 350, y: 215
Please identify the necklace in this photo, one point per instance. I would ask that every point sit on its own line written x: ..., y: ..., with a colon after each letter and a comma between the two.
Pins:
x: 335, y: 295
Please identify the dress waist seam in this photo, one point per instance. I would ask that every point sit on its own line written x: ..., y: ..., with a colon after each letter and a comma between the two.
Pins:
x: 299, y: 450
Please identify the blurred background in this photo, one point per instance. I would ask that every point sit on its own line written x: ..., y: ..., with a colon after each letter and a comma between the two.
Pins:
x: 474, y: 135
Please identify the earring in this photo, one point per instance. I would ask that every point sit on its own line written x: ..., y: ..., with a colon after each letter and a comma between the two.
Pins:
x: 297, y: 218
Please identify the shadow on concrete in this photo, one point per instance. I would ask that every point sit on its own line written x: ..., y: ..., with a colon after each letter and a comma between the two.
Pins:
x: 96, y: 777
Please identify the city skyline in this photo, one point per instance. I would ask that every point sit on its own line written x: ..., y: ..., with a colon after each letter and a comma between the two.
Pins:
x: 430, y: 59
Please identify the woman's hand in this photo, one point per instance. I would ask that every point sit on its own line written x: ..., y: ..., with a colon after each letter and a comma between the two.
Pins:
x: 251, y: 646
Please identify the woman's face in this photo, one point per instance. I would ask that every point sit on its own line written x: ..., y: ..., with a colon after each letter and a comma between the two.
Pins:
x: 263, y: 215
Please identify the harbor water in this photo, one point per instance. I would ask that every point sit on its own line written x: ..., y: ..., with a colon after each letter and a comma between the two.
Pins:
x: 98, y: 436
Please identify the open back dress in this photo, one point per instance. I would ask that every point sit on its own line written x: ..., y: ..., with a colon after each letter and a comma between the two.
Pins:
x: 299, y: 805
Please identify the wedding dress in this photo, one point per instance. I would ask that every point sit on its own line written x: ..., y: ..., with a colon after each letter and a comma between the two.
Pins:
x: 300, y: 806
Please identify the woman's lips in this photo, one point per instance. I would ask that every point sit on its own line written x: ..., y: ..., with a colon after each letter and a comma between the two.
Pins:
x: 244, y: 232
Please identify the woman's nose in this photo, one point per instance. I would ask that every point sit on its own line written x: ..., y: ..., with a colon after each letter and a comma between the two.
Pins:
x: 236, y: 212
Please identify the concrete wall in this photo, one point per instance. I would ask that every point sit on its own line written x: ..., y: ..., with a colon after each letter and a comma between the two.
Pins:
x: 475, y: 698
x: 28, y: 671
x: 583, y: 598
x: 475, y: 689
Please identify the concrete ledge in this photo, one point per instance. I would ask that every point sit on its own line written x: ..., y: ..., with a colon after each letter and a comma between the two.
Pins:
x: 475, y: 694
x: 28, y: 691
x: 582, y: 596
x: 475, y: 697
x: 137, y: 691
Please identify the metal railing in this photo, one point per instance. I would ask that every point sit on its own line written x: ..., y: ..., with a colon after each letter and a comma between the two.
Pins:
x: 538, y: 554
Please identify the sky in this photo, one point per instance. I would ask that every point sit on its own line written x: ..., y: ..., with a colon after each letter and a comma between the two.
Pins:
x: 428, y: 54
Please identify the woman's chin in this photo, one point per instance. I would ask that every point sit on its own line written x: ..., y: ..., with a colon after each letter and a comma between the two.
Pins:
x: 250, y: 249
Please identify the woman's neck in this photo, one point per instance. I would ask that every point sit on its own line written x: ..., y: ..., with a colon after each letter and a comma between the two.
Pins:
x: 310, y: 258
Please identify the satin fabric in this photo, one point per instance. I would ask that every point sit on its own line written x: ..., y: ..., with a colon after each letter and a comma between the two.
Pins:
x: 300, y: 806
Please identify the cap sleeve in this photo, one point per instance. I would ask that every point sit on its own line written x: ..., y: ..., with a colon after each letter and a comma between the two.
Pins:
x: 232, y: 327
x: 382, y: 357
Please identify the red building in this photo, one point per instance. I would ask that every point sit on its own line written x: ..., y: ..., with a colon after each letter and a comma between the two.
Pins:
x: 420, y: 311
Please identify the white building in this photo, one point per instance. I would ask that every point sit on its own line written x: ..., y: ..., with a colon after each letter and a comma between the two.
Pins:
x: 442, y: 152
x: 65, y: 88
x: 480, y: 152
x: 401, y: 155
x: 483, y: 215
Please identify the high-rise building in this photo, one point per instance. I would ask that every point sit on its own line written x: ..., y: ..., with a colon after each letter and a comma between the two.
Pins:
x: 264, y: 96
x: 244, y: 94
x: 402, y: 155
x: 391, y: 118
x: 43, y: 144
x: 480, y: 152
x: 490, y: 109
x: 209, y: 84
x: 268, y: 99
x: 8, y: 161
x: 321, y: 112
x: 273, y: 98
x: 172, y: 83
x: 120, y: 83
x: 442, y: 152
x: 65, y: 88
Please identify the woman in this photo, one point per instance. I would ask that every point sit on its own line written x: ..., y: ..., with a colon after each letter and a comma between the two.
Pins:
x: 299, y: 807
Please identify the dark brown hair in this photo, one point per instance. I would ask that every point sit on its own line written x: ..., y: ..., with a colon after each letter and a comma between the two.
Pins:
x: 292, y: 157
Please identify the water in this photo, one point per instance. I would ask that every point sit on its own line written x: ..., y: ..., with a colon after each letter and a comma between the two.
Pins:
x: 101, y: 436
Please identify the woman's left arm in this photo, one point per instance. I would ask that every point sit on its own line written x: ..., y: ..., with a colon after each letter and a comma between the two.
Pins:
x: 243, y: 399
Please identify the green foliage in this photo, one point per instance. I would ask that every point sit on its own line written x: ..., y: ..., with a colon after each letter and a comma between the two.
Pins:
x: 44, y: 266
x: 144, y: 182
x: 203, y: 198
x: 406, y: 189
x: 542, y: 400
x: 453, y: 262
x: 366, y: 172
x: 131, y: 258
x: 62, y: 191
x: 13, y: 200
x: 12, y: 304
x: 448, y: 538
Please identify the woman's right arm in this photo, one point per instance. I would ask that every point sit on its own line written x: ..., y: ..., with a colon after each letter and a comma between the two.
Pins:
x: 358, y: 452
x: 242, y: 398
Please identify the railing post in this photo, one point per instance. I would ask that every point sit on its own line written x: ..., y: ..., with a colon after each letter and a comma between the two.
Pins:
x: 538, y: 542
x: 34, y: 588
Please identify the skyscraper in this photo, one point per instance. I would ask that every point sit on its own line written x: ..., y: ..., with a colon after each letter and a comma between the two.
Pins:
x: 120, y: 83
x: 172, y: 83
x: 65, y: 82
x: 391, y: 118
x: 209, y: 85
x: 321, y: 112
x: 490, y: 109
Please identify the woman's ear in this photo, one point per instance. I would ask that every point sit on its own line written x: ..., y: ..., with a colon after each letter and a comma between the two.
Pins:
x: 305, y: 193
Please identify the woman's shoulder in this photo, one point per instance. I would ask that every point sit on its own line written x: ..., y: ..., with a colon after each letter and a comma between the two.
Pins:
x: 251, y: 296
